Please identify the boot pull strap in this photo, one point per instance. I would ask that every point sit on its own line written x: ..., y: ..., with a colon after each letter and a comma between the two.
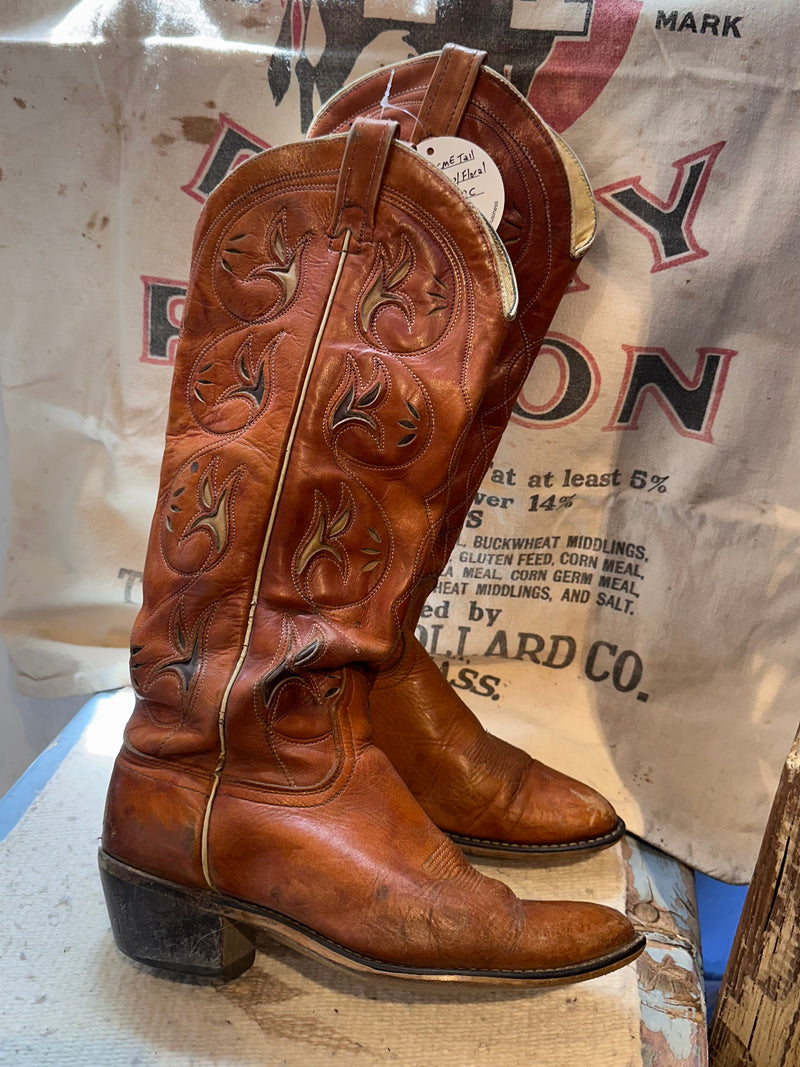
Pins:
x: 360, y: 177
x: 448, y: 92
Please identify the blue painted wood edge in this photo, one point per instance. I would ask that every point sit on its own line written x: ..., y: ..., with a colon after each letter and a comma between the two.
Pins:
x: 30, y: 784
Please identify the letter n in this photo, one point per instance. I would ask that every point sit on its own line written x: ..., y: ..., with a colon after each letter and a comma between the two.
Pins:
x: 231, y: 145
x: 667, y: 224
x: 690, y: 403
x: 163, y: 308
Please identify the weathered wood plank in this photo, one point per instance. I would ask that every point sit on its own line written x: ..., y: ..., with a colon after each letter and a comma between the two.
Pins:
x: 757, y: 1019
x: 661, y: 902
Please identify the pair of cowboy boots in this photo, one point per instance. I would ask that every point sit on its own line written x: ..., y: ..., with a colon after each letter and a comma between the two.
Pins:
x: 352, y: 344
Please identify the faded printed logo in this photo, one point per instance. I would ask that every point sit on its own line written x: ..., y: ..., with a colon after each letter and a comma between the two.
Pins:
x: 558, y: 53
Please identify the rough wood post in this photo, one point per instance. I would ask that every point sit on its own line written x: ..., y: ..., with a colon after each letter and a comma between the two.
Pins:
x: 757, y: 1019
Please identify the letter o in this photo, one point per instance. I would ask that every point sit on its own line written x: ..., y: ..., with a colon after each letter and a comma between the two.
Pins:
x: 576, y: 391
x: 621, y: 663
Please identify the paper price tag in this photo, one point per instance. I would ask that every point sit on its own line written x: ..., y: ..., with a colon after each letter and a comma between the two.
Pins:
x: 472, y: 170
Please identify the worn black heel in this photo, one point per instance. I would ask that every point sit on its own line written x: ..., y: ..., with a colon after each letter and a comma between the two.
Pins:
x: 161, y: 925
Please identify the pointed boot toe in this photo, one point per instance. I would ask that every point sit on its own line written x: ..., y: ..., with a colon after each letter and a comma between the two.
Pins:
x: 548, y: 814
x: 581, y: 940
x: 533, y: 809
x: 488, y: 795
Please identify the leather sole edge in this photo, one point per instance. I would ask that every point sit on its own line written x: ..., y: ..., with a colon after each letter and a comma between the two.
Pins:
x: 478, y: 846
x: 195, y: 904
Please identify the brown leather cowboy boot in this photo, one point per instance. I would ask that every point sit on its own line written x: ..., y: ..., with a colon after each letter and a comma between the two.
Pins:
x: 309, y: 450
x: 489, y: 796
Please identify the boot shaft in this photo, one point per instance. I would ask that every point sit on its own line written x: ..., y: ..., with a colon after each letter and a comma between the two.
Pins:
x: 344, y: 311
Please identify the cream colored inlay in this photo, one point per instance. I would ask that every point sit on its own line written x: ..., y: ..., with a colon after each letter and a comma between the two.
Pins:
x: 584, y: 212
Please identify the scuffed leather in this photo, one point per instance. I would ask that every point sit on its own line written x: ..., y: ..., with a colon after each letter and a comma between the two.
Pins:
x: 472, y: 784
x: 377, y: 425
x: 327, y: 372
